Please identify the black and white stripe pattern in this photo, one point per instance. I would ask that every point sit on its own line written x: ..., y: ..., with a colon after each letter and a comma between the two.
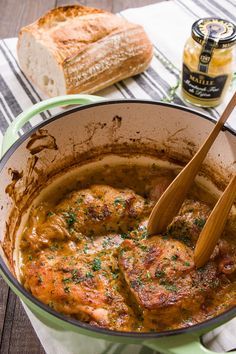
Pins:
x: 17, y: 93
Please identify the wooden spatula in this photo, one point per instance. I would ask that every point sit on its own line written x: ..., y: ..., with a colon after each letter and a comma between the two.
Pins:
x: 171, y: 200
x: 215, y: 225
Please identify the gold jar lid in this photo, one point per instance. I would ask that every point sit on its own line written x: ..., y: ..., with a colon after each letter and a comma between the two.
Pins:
x: 220, y: 33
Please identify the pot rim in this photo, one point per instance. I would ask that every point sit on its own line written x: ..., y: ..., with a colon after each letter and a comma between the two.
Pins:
x: 223, y: 317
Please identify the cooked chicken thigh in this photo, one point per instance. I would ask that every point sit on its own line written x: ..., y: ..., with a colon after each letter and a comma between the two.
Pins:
x: 89, y: 257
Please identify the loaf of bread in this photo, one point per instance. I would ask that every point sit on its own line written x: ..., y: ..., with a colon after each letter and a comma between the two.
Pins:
x: 77, y: 49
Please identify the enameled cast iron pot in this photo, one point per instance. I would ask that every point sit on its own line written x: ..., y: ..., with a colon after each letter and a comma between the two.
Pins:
x: 97, y: 126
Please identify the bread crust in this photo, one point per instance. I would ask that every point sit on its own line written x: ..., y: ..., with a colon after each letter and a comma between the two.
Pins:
x: 93, y: 48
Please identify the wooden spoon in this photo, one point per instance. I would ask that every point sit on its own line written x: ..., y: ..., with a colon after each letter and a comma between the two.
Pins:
x: 171, y: 200
x: 215, y: 225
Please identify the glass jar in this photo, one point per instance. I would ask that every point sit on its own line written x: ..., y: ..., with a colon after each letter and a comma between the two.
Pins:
x: 208, y: 62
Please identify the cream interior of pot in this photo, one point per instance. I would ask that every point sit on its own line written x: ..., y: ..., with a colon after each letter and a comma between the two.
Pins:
x: 116, y: 131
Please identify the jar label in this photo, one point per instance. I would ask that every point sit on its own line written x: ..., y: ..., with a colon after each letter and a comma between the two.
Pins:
x: 202, y: 86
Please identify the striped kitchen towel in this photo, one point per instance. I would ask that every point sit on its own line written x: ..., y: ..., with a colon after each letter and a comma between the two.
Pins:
x: 168, y: 25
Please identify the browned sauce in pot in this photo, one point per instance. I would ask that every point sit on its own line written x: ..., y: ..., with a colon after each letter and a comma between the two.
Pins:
x: 86, y: 254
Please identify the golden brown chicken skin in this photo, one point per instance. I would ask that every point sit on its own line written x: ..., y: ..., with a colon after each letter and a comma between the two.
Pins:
x: 163, y: 281
x: 71, y: 262
x: 98, y: 210
x: 89, y: 257
x: 88, y: 289
x: 187, y: 225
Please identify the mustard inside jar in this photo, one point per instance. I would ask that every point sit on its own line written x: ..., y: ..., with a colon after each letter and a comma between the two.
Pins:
x: 208, y: 62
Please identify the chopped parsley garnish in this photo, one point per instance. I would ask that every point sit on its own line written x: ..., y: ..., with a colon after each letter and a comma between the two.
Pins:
x: 144, y: 234
x: 165, y: 236
x: 54, y: 247
x: 160, y: 273
x: 133, y: 284
x: 201, y: 269
x: 144, y: 248
x: 75, y: 277
x: 215, y: 283
x: 74, y: 273
x: 122, y: 251
x: 106, y: 243
x: 185, y: 239
x: 96, y: 264
x: 124, y: 235
x: 187, y: 264
x: 50, y: 213
x: 169, y: 286
x: 139, y: 281
x: 67, y: 289
x: 66, y: 280
x: 174, y: 257
x: 70, y: 218
x: 200, y: 222
x: 79, y: 200
x: 86, y: 248
x: 89, y: 275
x: 115, y: 275
x: 120, y: 201
x: 30, y: 258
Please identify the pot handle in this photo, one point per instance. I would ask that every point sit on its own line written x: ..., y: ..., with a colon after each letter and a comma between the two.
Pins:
x: 181, y: 344
x: 11, y: 134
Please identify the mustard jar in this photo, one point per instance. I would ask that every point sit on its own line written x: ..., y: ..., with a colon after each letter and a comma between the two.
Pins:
x: 208, y: 61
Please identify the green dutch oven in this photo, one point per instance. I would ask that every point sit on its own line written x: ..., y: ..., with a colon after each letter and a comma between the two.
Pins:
x: 92, y: 128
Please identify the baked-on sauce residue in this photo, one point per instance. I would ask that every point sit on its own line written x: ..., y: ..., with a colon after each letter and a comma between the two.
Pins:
x: 86, y: 254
